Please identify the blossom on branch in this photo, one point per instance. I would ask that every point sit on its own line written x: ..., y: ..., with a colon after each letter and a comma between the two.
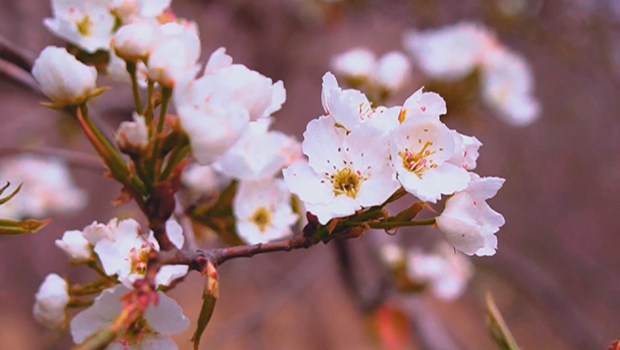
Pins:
x: 468, y: 222
x: 263, y: 211
x: 152, y: 330
x: 75, y: 245
x: 64, y: 79
x: 50, y: 308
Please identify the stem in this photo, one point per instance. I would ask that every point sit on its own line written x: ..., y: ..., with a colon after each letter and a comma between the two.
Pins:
x: 149, y: 106
x: 77, y: 303
x: 113, y: 160
x: 132, y: 69
x: 166, y: 93
x: 175, y: 157
x: 392, y: 224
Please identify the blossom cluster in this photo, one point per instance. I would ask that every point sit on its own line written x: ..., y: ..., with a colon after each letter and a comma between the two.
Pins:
x: 353, y: 160
x: 360, y: 155
x: 453, y: 52
x: 442, y: 271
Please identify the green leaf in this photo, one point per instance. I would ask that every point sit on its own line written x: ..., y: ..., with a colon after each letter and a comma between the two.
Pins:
x: 8, y: 198
x: 14, y: 228
x: 209, y: 298
x: 498, y: 328
x: 409, y: 213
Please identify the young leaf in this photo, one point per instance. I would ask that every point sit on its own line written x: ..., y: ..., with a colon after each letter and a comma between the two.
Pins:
x: 13, y: 228
x: 209, y: 297
x: 498, y: 328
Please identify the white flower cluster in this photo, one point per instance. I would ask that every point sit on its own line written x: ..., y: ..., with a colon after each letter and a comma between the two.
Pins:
x: 358, y: 156
x: 227, y: 115
x: 453, y: 52
x: 358, y: 66
x: 443, y: 271
x: 47, y: 188
x: 122, y: 249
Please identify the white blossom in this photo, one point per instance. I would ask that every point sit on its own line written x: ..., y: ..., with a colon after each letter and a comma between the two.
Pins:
x: 175, y: 56
x: 345, y: 172
x: 465, y: 150
x: 392, y: 255
x: 468, y: 222
x: 421, y: 148
x: 215, y: 109
x: 150, y: 331
x: 350, y: 108
x: 51, y: 300
x: 126, y: 255
x: 204, y: 180
x: 356, y: 63
x: 132, y: 135
x: 64, y: 79
x: 136, y: 41
x: 130, y: 9
x: 75, y: 245
x: 259, y: 153
x: 507, y: 86
x: 445, y: 271
x: 95, y: 232
x: 85, y: 23
x: 245, y: 87
x: 392, y: 71
x: 450, y: 52
x: 47, y: 188
x: 263, y: 211
x: 423, y: 104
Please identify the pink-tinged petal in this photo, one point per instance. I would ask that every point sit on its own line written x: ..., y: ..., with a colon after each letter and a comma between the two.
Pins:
x: 167, y: 316
x: 106, y: 308
x: 304, y: 182
x: 175, y: 233
x: 169, y: 273
x: 484, y: 188
x: 341, y: 206
x: 460, y: 224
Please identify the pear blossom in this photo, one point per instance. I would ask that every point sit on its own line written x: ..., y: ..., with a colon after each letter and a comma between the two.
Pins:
x: 444, y: 271
x: 129, y: 9
x: 465, y: 150
x: 259, y: 153
x: 259, y: 95
x: 95, y: 232
x: 468, y: 222
x: 175, y: 56
x: 75, y: 245
x: 203, y: 180
x: 132, y: 136
x: 507, y: 86
x: 152, y: 330
x: 345, y: 171
x: 423, y: 104
x: 215, y: 109
x: 47, y: 188
x: 126, y: 255
x: 450, y: 52
x: 392, y: 71
x: 392, y: 255
x: 51, y: 300
x: 136, y: 41
x: 64, y: 79
x: 420, y: 149
x: 263, y: 211
x: 358, y: 63
x: 84, y: 23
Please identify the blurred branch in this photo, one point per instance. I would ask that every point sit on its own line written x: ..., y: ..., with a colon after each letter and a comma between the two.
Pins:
x: 75, y: 158
x: 16, y: 54
x: 18, y: 75
x: 428, y: 329
x: 548, y: 294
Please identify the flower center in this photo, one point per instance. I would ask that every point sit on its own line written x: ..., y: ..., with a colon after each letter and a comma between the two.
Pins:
x: 261, y: 218
x: 346, y: 182
x: 139, y: 258
x: 85, y: 26
x: 136, y: 332
x: 418, y: 162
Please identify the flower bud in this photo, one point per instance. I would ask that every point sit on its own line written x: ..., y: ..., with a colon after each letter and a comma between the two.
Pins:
x: 95, y: 232
x: 392, y: 71
x: 64, y: 79
x: 51, y: 301
x: 132, y: 137
x: 75, y: 245
x: 175, y: 55
x: 358, y: 63
x: 133, y: 42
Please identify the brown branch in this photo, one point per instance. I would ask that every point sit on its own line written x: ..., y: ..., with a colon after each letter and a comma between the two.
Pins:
x: 19, y: 75
x: 16, y: 54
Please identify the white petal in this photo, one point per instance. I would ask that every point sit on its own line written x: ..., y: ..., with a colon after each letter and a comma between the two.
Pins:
x: 169, y: 273
x: 167, y: 316
x: 106, y: 308
x: 304, y: 182
x: 175, y: 233
x: 321, y: 144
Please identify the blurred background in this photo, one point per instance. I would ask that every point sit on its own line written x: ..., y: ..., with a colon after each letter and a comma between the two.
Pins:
x: 555, y: 274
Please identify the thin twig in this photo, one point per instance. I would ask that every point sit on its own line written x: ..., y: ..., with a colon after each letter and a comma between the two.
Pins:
x: 19, y: 75
x: 16, y: 54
